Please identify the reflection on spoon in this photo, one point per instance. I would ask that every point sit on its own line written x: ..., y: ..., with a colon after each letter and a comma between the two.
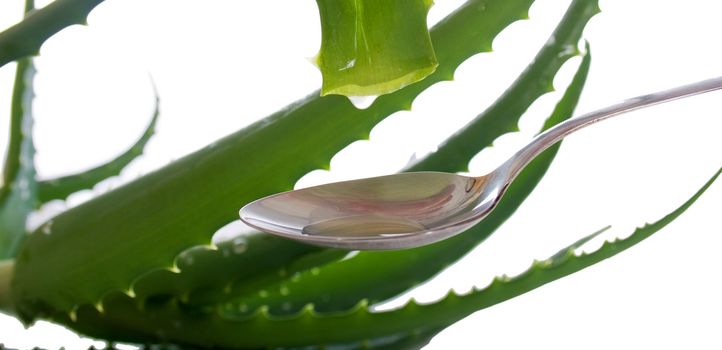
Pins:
x: 413, y: 209
x: 363, y: 226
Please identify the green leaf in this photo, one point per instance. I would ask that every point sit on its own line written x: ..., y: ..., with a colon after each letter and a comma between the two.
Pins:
x: 62, y: 187
x: 404, y: 269
x: 364, y: 49
x: 25, y: 38
x: 18, y: 194
x: 225, y: 328
x: 494, y: 121
x: 156, y: 217
x: 19, y: 188
x: 152, y: 325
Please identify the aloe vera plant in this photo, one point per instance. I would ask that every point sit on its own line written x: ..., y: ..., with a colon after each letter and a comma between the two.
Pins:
x: 259, y: 291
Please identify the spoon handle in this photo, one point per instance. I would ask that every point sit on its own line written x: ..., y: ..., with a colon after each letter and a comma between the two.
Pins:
x: 519, y: 160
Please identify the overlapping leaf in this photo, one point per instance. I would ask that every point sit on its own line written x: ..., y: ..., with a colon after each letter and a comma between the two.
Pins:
x: 18, y: 194
x: 340, y: 318
x: 156, y: 217
x: 500, y: 118
x: 227, y: 328
x: 328, y: 287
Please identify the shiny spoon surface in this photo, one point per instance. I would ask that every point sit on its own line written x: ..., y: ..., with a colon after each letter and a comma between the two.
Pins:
x: 413, y: 209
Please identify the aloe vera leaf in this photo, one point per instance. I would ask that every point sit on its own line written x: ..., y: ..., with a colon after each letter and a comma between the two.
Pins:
x: 225, y: 328
x: 494, y: 120
x: 19, y: 108
x: 62, y: 187
x: 198, y: 286
x: 19, y: 192
x: 20, y: 113
x: 328, y: 286
x: 25, y: 38
x: 404, y: 269
x: 117, y: 318
x: 148, y: 327
x: 163, y: 213
x: 364, y: 49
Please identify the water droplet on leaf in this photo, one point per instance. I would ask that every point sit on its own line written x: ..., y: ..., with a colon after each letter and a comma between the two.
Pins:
x: 239, y: 245
x: 47, y: 227
x: 188, y: 259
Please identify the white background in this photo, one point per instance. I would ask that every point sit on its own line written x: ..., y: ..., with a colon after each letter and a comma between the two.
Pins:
x: 219, y: 65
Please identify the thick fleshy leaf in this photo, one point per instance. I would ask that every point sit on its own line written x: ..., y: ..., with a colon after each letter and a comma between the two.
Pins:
x: 194, y: 196
x: 62, y: 187
x: 19, y: 192
x: 373, y: 47
x: 328, y: 284
x: 194, y: 284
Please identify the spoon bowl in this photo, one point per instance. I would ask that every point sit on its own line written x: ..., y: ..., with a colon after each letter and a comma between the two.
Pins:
x: 407, y: 209
x: 412, y: 209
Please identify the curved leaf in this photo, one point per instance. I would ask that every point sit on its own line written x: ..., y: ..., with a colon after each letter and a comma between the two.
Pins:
x: 327, y: 286
x: 62, y: 187
x: 18, y: 194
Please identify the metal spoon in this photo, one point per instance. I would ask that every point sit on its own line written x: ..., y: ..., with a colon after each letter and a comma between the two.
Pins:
x: 412, y: 209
